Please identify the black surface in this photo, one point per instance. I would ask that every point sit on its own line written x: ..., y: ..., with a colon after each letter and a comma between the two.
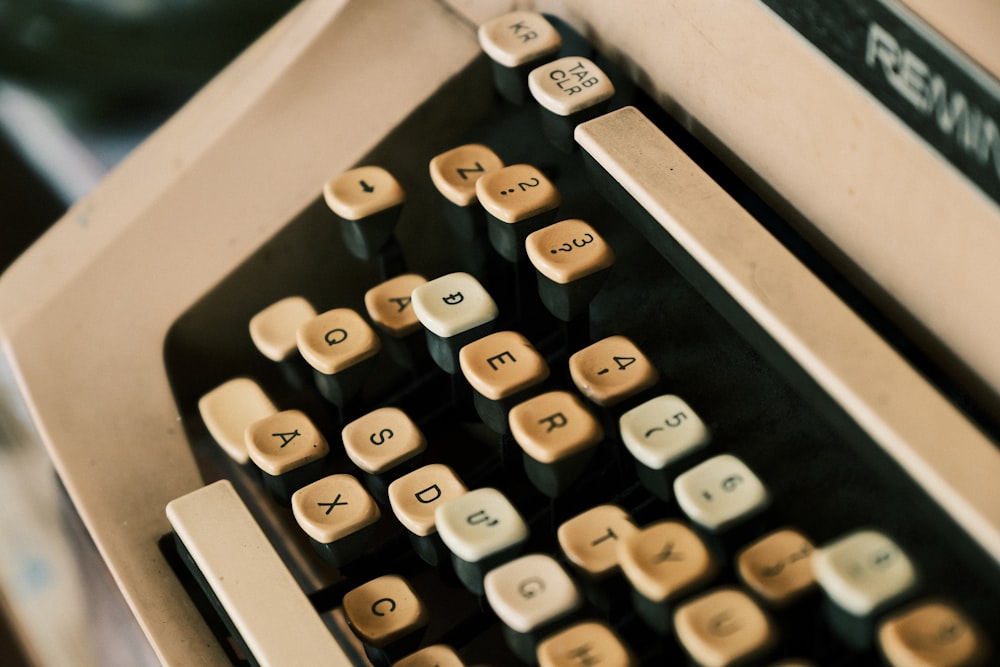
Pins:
x: 27, y: 205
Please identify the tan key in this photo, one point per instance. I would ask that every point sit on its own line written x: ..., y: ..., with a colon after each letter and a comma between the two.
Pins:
x: 284, y: 441
x: 517, y: 192
x: 590, y: 540
x: 334, y: 507
x: 228, y: 409
x: 778, y: 567
x: 558, y: 436
x: 612, y: 370
x: 288, y: 449
x: 415, y: 496
x: 520, y: 199
x: 382, y: 439
x: 367, y: 200
x: 362, y: 192
x: 339, y: 344
x: 572, y: 262
x: 455, y: 172
x: 502, y: 364
x: 338, y: 514
x: 389, y: 305
x: 554, y: 426
x: 274, y: 328
x: 568, y: 251
x: 585, y: 644
x: 932, y: 634
x: 501, y: 367
x: 724, y: 627
x: 384, y: 610
x: 664, y: 560
x: 438, y: 655
x: 337, y: 340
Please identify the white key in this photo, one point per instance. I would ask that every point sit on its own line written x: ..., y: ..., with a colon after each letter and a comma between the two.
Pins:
x: 662, y: 430
x: 863, y: 571
x: 720, y: 492
x: 518, y: 37
x: 569, y: 85
x: 530, y: 591
x: 228, y: 409
x: 267, y: 607
x: 478, y: 524
x: 453, y: 303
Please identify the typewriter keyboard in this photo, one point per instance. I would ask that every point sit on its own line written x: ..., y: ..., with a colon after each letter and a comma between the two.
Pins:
x: 462, y: 411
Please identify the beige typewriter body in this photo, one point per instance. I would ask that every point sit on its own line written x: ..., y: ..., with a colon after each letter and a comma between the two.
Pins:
x: 83, y: 314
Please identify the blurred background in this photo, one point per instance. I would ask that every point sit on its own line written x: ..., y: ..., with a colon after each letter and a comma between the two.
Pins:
x: 81, y: 83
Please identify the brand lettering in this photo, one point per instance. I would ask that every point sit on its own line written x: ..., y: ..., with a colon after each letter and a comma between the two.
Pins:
x: 975, y: 133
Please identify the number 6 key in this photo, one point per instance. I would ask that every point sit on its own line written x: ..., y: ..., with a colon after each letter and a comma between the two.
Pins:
x: 721, y: 494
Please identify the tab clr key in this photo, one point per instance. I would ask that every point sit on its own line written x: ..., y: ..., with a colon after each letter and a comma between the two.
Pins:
x: 570, y: 91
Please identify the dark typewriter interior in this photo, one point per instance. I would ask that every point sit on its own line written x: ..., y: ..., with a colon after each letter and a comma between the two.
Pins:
x: 825, y: 476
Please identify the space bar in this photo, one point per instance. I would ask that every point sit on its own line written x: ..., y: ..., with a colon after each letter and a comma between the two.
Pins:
x: 265, y: 604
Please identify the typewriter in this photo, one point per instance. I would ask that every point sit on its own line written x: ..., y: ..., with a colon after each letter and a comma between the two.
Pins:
x: 561, y: 333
